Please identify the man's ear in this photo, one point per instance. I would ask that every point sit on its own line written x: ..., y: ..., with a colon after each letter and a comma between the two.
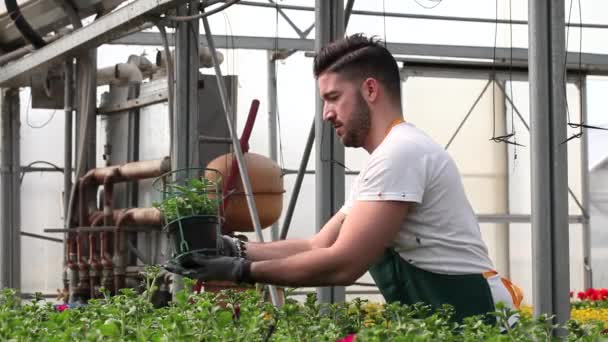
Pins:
x: 370, y: 89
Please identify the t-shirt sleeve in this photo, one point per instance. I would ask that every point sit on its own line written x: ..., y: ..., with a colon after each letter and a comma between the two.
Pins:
x: 394, y: 177
x: 352, y: 196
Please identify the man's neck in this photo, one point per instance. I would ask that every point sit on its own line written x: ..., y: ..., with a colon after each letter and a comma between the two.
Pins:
x: 380, y: 128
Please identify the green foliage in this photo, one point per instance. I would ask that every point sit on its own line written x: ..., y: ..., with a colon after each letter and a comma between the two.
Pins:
x: 244, y: 316
x: 192, y: 198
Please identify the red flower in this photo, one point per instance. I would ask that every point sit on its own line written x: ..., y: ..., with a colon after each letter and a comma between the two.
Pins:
x: 349, y: 338
x: 61, y: 307
x: 581, y: 295
x: 571, y: 293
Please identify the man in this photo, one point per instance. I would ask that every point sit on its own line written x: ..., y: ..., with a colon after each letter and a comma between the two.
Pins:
x: 407, y: 219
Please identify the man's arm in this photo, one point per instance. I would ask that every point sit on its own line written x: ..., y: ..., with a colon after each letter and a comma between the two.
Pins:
x: 285, y: 248
x: 369, y: 228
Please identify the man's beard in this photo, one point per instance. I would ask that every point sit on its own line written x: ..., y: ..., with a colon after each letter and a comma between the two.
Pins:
x: 357, y: 127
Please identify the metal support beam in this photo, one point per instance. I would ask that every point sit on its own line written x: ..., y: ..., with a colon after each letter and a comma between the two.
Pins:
x: 105, y: 29
x: 298, y: 183
x: 348, y: 10
x: 240, y: 159
x: 10, y: 198
x: 329, y: 20
x: 186, y: 90
x: 68, y: 101
x: 272, y: 122
x: 466, y: 117
x: 591, y: 64
x: 549, y: 160
x: 418, y: 16
x: 185, y: 133
x: 588, y: 271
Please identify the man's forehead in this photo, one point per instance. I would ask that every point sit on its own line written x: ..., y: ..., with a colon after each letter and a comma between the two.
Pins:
x: 330, y: 81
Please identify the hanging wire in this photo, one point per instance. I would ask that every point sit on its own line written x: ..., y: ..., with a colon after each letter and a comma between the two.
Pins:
x: 27, y: 116
x: 435, y: 3
x: 44, y: 162
x: 504, y: 138
x: 581, y: 124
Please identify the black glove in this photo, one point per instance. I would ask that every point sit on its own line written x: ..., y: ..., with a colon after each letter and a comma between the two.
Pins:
x: 203, y: 267
x: 232, y: 246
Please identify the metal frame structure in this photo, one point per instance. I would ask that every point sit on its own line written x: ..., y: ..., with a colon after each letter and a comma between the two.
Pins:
x: 549, y: 217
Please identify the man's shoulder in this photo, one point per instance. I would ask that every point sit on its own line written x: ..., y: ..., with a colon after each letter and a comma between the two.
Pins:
x: 410, y: 141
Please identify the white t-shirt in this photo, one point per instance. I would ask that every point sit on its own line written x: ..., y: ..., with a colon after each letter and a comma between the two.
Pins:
x: 440, y: 233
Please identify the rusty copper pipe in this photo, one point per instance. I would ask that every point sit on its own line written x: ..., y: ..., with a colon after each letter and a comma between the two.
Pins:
x: 129, y: 171
x: 83, y: 268
x: 95, y: 268
x: 105, y: 260
x: 136, y: 216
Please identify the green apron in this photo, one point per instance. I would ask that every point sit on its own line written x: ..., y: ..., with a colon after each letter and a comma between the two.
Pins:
x: 400, y: 281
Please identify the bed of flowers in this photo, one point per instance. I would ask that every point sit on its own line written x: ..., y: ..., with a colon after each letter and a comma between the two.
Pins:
x: 244, y: 316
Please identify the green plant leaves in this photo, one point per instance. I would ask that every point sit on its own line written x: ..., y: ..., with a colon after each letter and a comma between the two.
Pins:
x: 244, y: 316
x: 196, y: 197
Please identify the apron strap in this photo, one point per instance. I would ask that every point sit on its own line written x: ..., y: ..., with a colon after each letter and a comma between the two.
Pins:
x: 516, y: 293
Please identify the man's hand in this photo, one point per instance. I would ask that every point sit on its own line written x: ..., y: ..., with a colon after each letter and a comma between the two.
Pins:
x: 199, y: 266
x: 229, y: 247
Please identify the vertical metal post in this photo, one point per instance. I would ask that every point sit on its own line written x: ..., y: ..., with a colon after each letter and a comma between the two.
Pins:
x: 272, y: 121
x: 240, y: 159
x: 91, y: 111
x: 503, y: 229
x: 68, y: 102
x: 10, y: 223
x: 588, y: 271
x: 549, y: 173
x: 185, y: 144
x: 329, y: 177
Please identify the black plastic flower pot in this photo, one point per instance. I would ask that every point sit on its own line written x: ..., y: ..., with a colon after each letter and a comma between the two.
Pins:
x: 194, y: 234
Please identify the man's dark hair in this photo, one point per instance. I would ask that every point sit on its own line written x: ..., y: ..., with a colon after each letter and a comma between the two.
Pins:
x: 357, y: 57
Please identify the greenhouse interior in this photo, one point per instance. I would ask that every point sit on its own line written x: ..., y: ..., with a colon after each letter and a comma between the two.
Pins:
x: 141, y: 137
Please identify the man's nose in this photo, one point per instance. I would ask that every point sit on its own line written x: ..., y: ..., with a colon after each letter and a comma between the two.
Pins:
x: 328, y: 114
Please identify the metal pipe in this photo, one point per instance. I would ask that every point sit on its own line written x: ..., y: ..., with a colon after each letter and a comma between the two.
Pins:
x: 347, y: 12
x: 272, y: 122
x: 27, y: 32
x: 121, y: 73
x: 204, y: 58
x: 67, y: 154
x: 140, y: 216
x: 483, y: 91
x: 22, y: 51
x: 83, y: 290
x: 229, y: 183
x: 214, y: 140
x: 9, y: 194
x: 550, y: 251
x: 237, y: 148
x: 94, y: 268
x: 41, y: 237
x: 72, y: 270
x: 107, y: 268
x: 298, y: 184
x: 588, y: 270
x: 329, y: 179
x: 417, y: 16
x: 129, y: 172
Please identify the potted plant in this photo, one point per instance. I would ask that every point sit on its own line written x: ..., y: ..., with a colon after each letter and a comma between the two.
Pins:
x: 191, y: 209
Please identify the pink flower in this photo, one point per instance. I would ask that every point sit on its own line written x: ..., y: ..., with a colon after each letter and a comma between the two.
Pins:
x: 61, y: 307
x: 349, y: 338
